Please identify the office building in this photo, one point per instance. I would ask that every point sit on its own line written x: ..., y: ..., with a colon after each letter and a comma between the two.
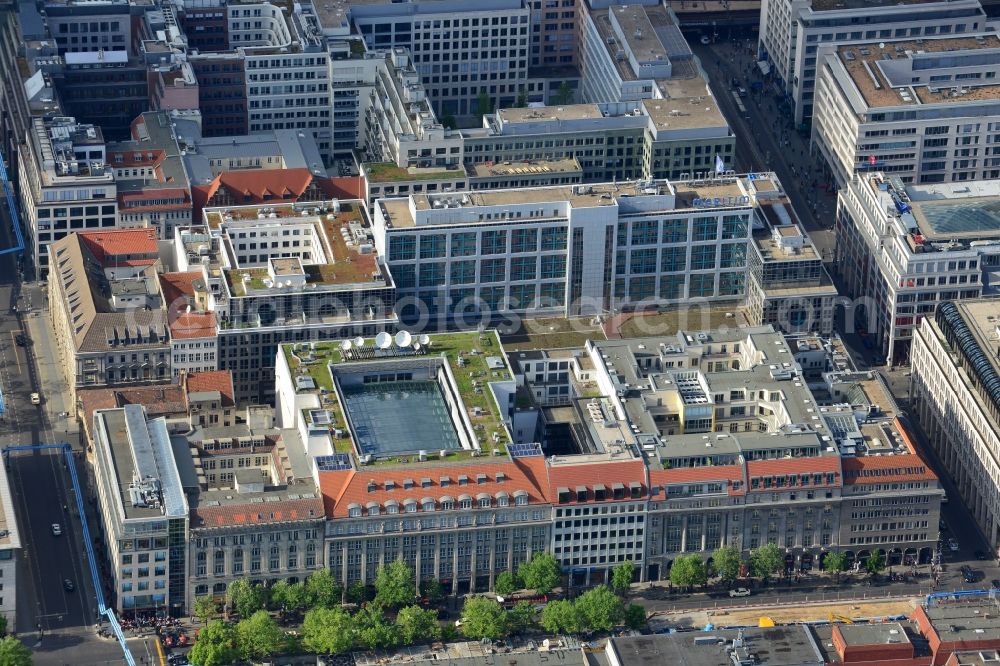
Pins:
x: 583, y: 249
x: 143, y: 509
x: 10, y: 548
x: 923, y: 110
x: 150, y: 179
x: 65, y: 184
x: 106, y: 309
x: 955, y: 401
x: 793, y: 32
x: 787, y: 287
x: 905, y: 249
x: 654, y: 138
x: 193, y: 327
x: 727, y: 414
x: 282, y: 273
x: 459, y: 50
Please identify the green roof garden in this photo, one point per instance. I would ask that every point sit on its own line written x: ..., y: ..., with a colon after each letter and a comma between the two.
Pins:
x: 387, y: 172
x: 472, y: 376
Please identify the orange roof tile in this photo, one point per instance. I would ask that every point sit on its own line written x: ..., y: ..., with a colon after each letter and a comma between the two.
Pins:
x: 865, y: 470
x: 341, y: 489
x: 590, y: 474
x: 213, y: 380
x: 114, y: 245
x: 727, y: 474
x: 159, y: 399
x: 178, y: 287
x: 188, y: 325
x: 259, y: 183
x: 257, y: 513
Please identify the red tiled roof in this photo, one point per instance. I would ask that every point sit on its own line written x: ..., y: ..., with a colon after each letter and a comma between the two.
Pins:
x: 259, y: 183
x: 188, y: 325
x: 214, y: 380
x: 341, y: 489
x: 178, y: 287
x: 589, y: 474
x: 794, y: 467
x: 111, y: 245
x: 727, y: 474
x: 159, y: 399
x: 257, y: 513
x: 865, y: 470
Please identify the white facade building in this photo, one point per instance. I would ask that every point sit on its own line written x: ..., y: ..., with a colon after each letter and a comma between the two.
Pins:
x: 792, y: 31
x: 460, y: 49
x: 956, y: 400
x: 906, y: 249
x: 65, y: 183
x: 143, y: 509
x: 570, y: 250
x: 925, y: 110
x: 10, y: 547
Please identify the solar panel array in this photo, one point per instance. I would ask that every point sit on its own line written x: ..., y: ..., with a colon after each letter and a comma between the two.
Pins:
x: 336, y: 462
x: 525, y: 450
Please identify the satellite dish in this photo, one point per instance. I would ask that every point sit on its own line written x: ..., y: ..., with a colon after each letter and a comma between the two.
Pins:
x: 416, y: 346
x: 424, y: 339
x: 383, y: 340
x: 881, y: 45
x: 403, y: 339
x: 359, y: 341
x: 346, y: 345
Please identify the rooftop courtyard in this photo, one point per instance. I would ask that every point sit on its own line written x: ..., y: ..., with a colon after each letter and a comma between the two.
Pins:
x: 398, y: 403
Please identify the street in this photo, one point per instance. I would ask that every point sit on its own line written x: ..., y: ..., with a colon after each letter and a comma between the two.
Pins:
x: 59, y: 625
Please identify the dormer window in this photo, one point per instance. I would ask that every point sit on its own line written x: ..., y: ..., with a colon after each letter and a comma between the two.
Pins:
x: 480, y: 478
x: 390, y: 485
x: 427, y: 504
x: 407, y: 484
x: 353, y: 511
x: 445, y: 481
x: 463, y: 480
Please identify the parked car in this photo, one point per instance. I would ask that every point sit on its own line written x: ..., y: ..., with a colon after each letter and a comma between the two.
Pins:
x: 56, y: 529
x: 21, y: 340
x: 36, y: 399
x: 995, y: 583
x: 739, y: 592
x: 953, y: 546
x: 68, y: 585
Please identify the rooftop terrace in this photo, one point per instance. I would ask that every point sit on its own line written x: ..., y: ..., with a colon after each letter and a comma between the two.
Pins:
x: 347, y: 266
x: 875, y: 70
x: 387, y: 172
x: 466, y: 355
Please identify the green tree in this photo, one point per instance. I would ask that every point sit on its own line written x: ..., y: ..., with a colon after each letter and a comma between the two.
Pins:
x: 449, y: 122
x: 635, y: 616
x: 564, y: 95
x: 522, y: 98
x: 484, y: 104
x: 540, y: 573
x: 766, y: 560
x: 204, y: 608
x: 394, y: 585
x: 328, y: 630
x: 875, y: 563
x: 357, y: 593
x: 374, y: 630
x: 432, y: 589
x: 835, y: 562
x: 599, y: 608
x: 216, y: 645
x: 258, y: 636
x: 688, y: 571
x: 14, y: 653
x: 3, y: 625
x: 621, y: 576
x: 245, y: 598
x: 560, y: 617
x: 521, y: 617
x: 506, y: 584
x: 297, y: 597
x: 278, y: 595
x: 483, y: 617
x: 416, y: 625
x: 727, y: 561
x: 322, y: 590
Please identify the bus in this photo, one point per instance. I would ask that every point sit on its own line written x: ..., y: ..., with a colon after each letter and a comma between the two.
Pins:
x: 739, y: 106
